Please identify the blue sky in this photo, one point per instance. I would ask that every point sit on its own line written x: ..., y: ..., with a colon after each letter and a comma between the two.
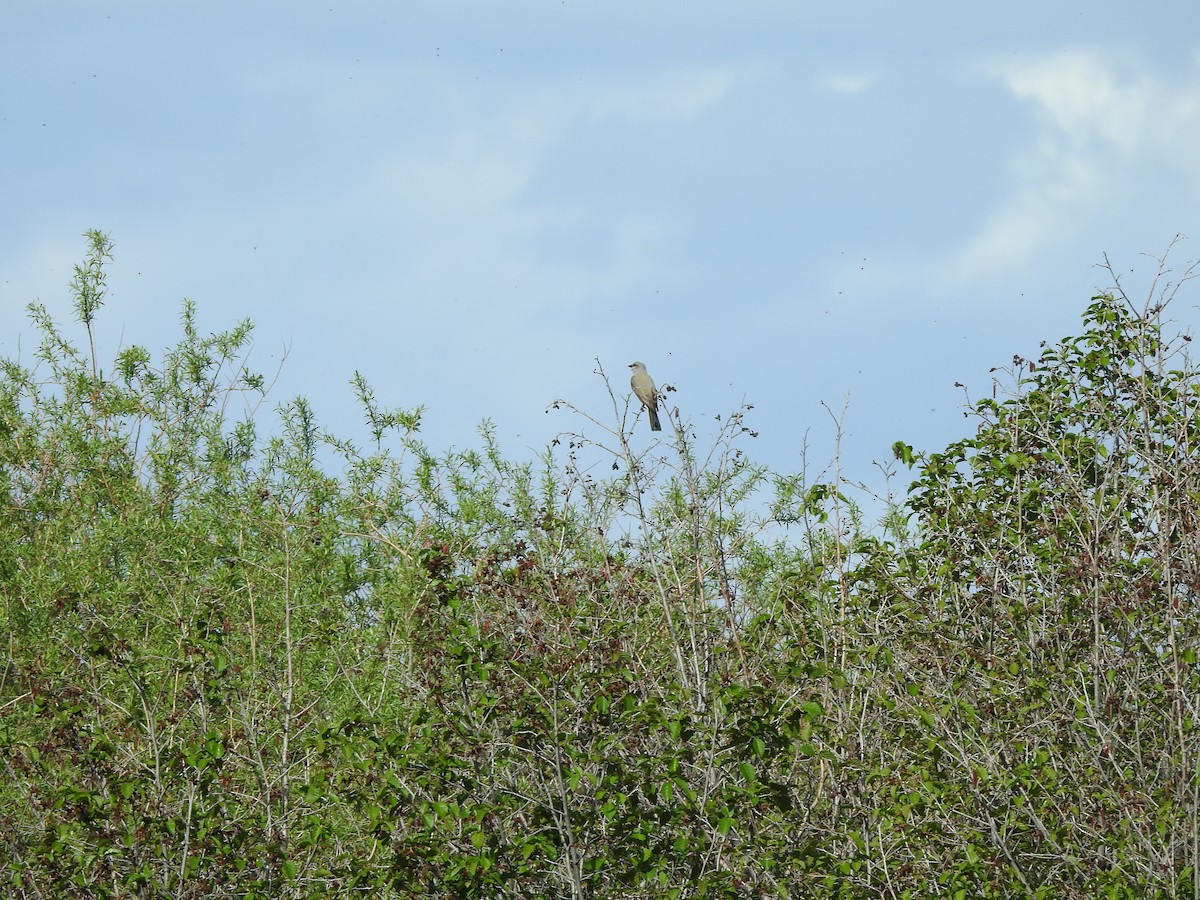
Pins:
x: 780, y: 203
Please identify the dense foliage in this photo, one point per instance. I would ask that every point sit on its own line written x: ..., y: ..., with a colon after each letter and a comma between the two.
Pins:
x: 232, y: 673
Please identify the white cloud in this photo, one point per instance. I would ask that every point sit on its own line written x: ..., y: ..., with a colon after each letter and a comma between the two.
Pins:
x: 473, y: 181
x: 1080, y: 96
x: 1033, y: 217
x: 675, y: 94
x: 850, y: 83
x: 1104, y: 131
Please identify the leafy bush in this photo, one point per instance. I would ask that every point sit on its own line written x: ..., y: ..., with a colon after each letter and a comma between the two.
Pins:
x: 230, y: 673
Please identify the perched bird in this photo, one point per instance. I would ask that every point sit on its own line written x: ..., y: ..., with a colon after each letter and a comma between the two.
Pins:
x: 643, y: 387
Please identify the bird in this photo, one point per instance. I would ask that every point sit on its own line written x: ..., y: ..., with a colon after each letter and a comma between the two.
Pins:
x: 643, y: 387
